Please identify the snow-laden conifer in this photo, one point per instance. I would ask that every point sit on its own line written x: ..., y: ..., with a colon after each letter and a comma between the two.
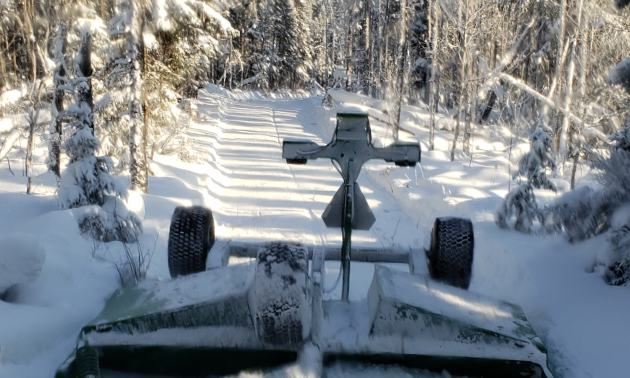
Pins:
x: 520, y: 203
x: 617, y: 264
x: 292, y: 44
x: 86, y: 180
x: 588, y: 214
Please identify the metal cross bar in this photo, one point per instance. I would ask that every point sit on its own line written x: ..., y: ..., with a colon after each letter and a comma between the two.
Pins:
x: 350, y: 147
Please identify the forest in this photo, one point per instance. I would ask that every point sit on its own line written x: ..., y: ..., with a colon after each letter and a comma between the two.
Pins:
x: 110, y: 83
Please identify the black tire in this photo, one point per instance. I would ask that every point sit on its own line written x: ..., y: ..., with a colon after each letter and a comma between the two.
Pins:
x: 451, y: 255
x: 280, y: 304
x: 190, y: 238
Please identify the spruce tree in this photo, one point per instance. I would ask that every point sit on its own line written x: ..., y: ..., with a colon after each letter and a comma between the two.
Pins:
x: 86, y: 180
x: 292, y: 47
x: 520, y: 202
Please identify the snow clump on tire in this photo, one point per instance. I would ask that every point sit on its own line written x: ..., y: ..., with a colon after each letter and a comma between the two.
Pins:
x: 278, y: 297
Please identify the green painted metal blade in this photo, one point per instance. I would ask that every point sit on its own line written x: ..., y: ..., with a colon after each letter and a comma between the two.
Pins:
x: 217, y: 297
x: 465, y: 324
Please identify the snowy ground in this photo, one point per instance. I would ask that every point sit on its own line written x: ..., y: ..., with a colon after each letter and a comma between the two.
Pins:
x: 255, y: 196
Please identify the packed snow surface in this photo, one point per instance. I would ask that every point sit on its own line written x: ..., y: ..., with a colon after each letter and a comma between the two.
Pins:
x: 256, y: 197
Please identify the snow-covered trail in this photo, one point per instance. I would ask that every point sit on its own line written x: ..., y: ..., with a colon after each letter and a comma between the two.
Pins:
x: 262, y: 198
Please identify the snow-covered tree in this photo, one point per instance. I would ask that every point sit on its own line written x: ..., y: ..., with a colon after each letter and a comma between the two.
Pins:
x: 616, y: 270
x: 618, y: 167
x: 292, y: 44
x: 589, y: 212
x: 520, y: 202
x: 86, y: 180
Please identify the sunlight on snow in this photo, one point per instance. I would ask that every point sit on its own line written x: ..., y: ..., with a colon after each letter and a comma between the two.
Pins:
x: 477, y: 307
x: 473, y: 193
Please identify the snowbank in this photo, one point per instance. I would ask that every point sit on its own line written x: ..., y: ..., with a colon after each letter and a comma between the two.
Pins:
x: 19, y: 120
x: 135, y: 203
x: 21, y: 260
x: 239, y: 95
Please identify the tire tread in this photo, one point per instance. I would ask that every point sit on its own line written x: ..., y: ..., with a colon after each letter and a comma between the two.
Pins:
x: 451, y: 255
x: 190, y: 238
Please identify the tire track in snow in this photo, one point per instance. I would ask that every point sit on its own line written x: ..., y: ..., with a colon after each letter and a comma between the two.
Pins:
x: 262, y: 201
x: 267, y: 199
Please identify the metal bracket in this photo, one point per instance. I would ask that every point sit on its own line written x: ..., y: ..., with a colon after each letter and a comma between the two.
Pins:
x: 350, y: 147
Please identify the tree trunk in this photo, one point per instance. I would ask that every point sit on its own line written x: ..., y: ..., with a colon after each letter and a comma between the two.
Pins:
x: 85, y: 68
x: 400, y: 70
x: 138, y: 167
x: 470, y: 105
x: 56, y: 126
x: 379, y: 48
x: 583, y: 37
x: 486, y: 108
x: 558, y: 64
x: 33, y: 115
x: 363, y: 45
x: 25, y: 8
x: 332, y: 54
x: 3, y: 71
x: 576, y: 160
x: 558, y: 67
x: 29, y: 17
x: 375, y: 52
x: 326, y: 80
x: 102, y: 9
x: 462, y: 73
x: 367, y: 64
x: 568, y: 94
x: 385, y: 55
x: 433, y: 80
x: 349, y: 58
x: 15, y: 66
x: 584, y: 34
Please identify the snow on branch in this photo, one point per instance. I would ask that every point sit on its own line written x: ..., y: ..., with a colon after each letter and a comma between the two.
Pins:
x: 224, y: 25
x: 8, y: 142
x: 506, y: 59
x: 542, y: 98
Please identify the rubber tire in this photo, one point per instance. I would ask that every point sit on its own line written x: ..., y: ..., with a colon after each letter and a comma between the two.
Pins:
x: 450, y: 256
x: 190, y: 238
x: 280, y: 308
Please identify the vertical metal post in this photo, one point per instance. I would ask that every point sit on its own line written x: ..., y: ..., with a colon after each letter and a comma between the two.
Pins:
x: 317, y: 314
x: 346, y: 243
